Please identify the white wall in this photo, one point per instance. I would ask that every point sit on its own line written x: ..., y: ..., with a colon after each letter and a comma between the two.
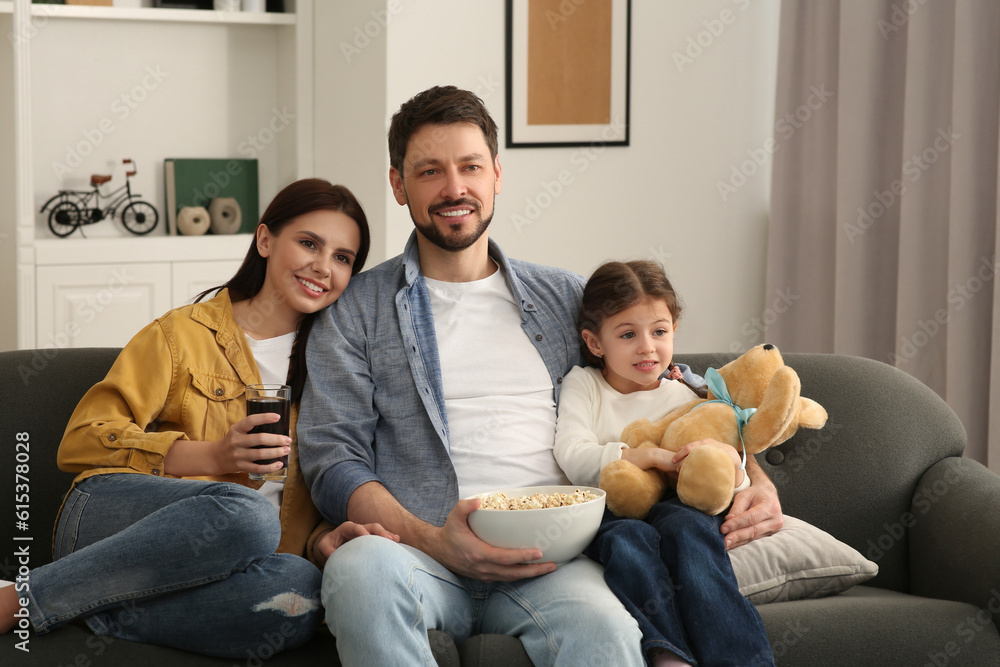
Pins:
x: 691, y: 123
x: 350, y: 103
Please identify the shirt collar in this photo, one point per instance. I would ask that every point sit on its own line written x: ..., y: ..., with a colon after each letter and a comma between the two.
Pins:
x: 411, y: 264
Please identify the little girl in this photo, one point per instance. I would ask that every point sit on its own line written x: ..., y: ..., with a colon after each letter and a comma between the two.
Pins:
x: 218, y: 563
x: 671, y: 570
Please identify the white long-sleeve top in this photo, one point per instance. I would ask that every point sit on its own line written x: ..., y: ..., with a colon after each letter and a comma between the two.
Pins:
x: 592, y: 415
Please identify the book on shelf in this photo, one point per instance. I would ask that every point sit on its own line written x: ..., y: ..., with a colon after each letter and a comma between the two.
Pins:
x: 197, y: 181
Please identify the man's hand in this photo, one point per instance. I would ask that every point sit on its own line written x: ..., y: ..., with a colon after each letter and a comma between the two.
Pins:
x: 337, y: 537
x: 456, y: 547
x: 756, y: 511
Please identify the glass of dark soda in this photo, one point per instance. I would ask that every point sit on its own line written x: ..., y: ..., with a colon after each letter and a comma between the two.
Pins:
x: 270, y: 398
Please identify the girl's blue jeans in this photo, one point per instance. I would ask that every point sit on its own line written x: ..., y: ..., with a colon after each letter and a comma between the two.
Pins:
x: 671, y: 570
x: 183, y: 563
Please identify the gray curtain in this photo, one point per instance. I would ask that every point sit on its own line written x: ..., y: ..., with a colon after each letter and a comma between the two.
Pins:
x: 885, y: 193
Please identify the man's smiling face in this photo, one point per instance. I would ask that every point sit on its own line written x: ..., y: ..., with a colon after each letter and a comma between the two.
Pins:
x: 449, y: 182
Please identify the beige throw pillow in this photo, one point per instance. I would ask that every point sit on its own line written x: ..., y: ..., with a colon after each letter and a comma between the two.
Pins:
x: 799, y: 561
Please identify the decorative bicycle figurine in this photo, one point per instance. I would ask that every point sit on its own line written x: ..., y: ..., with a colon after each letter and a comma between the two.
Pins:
x: 71, y: 209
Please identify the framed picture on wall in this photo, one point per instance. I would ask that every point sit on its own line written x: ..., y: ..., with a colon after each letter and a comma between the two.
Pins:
x: 567, y: 73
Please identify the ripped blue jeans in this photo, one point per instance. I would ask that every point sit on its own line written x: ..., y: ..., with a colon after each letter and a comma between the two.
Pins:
x: 175, y: 562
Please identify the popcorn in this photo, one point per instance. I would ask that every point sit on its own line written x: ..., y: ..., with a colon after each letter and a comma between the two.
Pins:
x: 499, y: 501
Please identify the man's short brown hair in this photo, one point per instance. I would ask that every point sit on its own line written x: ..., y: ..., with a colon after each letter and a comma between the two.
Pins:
x: 440, y: 105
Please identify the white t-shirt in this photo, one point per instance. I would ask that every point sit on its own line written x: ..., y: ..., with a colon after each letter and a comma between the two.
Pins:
x: 497, y: 390
x: 273, y: 357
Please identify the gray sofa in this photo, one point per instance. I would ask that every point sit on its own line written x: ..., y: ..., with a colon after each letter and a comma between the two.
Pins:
x: 885, y: 476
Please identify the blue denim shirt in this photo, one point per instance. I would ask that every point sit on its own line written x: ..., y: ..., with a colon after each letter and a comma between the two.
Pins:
x: 373, y: 407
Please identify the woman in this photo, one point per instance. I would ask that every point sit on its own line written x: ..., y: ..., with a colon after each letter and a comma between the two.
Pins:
x: 213, y: 564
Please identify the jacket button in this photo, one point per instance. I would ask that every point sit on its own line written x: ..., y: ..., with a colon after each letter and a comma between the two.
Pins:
x: 775, y: 457
x: 218, y: 392
x: 538, y: 336
x: 155, y: 471
x: 558, y: 380
x: 112, y: 437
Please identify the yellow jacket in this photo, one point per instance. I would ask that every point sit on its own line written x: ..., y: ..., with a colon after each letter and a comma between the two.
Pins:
x: 181, y: 377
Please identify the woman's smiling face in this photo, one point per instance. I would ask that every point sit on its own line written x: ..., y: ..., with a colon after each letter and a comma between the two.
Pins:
x: 309, y: 261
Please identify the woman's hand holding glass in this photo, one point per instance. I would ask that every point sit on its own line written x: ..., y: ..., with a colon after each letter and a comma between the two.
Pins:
x: 234, y: 452
x: 237, y: 451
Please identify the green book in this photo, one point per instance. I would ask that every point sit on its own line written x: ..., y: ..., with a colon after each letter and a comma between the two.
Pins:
x: 197, y: 181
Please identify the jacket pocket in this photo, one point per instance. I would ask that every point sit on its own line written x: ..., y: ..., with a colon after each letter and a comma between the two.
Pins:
x: 212, y: 403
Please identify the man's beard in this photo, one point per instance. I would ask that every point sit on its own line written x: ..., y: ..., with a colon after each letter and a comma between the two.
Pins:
x: 448, y: 242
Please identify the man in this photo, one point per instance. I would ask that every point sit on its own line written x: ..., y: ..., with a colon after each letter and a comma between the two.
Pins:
x: 435, y: 377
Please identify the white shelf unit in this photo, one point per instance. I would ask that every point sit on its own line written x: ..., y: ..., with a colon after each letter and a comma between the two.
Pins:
x: 94, y: 85
x: 158, y: 14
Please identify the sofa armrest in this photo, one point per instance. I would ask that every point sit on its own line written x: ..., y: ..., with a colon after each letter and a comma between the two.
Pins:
x: 955, y: 536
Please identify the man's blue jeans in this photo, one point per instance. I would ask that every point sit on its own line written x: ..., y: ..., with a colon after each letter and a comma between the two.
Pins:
x: 375, y: 588
x: 672, y: 572
x: 176, y: 562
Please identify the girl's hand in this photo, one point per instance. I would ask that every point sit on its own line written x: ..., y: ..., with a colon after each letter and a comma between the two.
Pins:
x: 645, y: 458
x: 236, y: 453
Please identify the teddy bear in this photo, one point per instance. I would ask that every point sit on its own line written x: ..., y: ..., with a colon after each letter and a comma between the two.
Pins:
x: 753, y: 403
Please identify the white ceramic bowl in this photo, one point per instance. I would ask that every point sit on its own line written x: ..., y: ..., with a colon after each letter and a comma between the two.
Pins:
x: 560, y: 533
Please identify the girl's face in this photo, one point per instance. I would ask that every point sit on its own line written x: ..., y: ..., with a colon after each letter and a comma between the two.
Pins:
x: 309, y: 261
x: 637, y: 345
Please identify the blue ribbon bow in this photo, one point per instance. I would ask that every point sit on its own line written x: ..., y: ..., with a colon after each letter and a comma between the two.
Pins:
x: 717, y: 386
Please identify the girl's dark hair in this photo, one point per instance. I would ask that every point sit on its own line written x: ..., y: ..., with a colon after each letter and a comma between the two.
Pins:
x: 615, y: 286
x: 298, y: 198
